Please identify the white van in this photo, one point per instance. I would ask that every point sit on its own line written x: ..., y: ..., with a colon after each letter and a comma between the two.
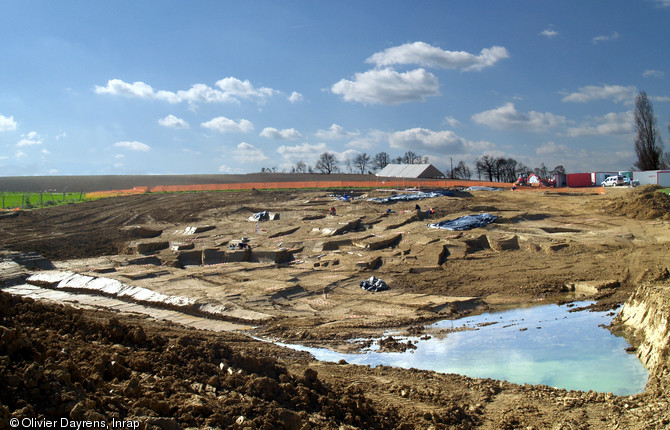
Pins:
x: 613, y: 181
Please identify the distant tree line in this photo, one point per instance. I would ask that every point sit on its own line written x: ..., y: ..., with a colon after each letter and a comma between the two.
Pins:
x: 493, y: 169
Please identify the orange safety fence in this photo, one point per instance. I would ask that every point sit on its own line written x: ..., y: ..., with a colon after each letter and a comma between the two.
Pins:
x: 385, y: 183
x: 380, y: 183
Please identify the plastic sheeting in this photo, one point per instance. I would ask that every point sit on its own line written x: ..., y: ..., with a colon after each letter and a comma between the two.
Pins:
x: 465, y: 222
x: 413, y: 196
x: 374, y: 284
x: 478, y: 188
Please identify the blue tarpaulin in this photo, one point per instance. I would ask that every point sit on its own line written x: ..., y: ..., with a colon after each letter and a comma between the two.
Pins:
x: 478, y: 188
x: 413, y: 196
x: 465, y: 222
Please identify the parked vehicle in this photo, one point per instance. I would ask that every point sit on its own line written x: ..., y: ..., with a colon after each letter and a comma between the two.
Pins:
x: 613, y: 181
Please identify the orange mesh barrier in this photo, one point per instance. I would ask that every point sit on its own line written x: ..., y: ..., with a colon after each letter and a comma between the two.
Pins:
x: 379, y: 183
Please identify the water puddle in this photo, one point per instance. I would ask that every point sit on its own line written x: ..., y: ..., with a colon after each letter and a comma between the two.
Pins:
x: 536, y: 345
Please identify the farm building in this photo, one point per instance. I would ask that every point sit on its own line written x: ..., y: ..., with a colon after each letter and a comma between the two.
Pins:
x: 657, y: 177
x: 410, y: 171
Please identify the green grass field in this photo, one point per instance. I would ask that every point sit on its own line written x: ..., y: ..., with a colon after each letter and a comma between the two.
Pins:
x: 11, y: 200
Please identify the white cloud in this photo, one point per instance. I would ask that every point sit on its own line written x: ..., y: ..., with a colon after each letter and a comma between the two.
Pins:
x: 662, y: 3
x: 453, y: 122
x: 441, y: 141
x: 30, y: 139
x: 172, y: 121
x: 246, y: 152
x: 63, y: 135
x: 226, y: 169
x: 230, y: 90
x: 7, y: 123
x: 225, y: 125
x: 45, y: 151
x: 551, y: 148
x: 335, y: 132
x: 133, y: 146
x: 20, y: 154
x: 549, y: 33
x: 660, y: 98
x: 506, y: 117
x: 651, y: 73
x: 287, y: 133
x: 295, y: 97
x: 386, y: 86
x: 304, y: 152
x: 427, y: 55
x: 609, y: 124
x: 604, y: 38
x: 618, y: 93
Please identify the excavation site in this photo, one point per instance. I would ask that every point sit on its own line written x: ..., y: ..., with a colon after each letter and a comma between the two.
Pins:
x: 340, y: 309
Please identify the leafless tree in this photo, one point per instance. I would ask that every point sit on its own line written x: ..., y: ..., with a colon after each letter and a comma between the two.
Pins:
x: 327, y: 163
x: 361, y: 161
x: 648, y: 143
x: 380, y: 160
x: 300, y: 167
x: 461, y: 171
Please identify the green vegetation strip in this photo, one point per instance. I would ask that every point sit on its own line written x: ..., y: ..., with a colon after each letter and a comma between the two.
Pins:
x: 665, y: 190
x: 11, y: 200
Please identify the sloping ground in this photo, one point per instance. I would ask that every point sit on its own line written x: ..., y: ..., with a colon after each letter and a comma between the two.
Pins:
x: 57, y: 362
x: 542, y: 246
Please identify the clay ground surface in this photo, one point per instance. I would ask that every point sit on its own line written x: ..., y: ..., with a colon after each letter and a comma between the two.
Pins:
x: 298, y: 281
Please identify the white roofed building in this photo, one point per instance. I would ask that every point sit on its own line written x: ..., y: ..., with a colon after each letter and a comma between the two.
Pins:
x: 410, y: 171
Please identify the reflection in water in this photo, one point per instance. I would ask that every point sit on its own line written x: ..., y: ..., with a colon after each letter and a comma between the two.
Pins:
x: 539, y: 345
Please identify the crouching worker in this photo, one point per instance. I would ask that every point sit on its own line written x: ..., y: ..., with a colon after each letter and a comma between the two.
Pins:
x: 332, y: 210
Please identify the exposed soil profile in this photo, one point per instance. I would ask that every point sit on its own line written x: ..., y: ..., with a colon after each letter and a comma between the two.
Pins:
x: 296, y: 279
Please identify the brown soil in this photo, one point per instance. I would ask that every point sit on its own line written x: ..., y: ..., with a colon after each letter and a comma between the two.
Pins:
x: 59, y: 361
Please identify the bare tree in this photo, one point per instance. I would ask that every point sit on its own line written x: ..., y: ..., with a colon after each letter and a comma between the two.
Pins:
x: 411, y: 157
x: 461, y: 171
x: 648, y: 143
x: 300, y: 167
x: 361, y: 161
x: 327, y: 163
x: 558, y: 170
x: 380, y: 160
x: 486, y: 164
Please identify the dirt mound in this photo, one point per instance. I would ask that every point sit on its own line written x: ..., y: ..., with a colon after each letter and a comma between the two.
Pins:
x: 644, y: 203
x: 57, y: 361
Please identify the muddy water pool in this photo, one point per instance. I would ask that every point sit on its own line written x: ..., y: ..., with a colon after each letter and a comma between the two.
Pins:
x: 544, y: 344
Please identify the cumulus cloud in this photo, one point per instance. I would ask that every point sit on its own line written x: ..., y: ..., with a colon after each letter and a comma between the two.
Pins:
x: 30, y: 139
x: 662, y: 3
x: 609, y: 124
x: 551, y: 148
x: 426, y: 55
x: 506, y: 117
x: 618, y: 93
x: 651, y: 73
x: 287, y: 133
x: 305, y: 152
x: 604, y: 38
x: 133, y: 146
x: 453, y: 122
x: 172, y: 121
x: 246, y: 152
x: 226, y: 125
x: 7, y: 123
x: 549, y: 33
x: 441, y: 141
x: 295, y: 97
x: 230, y: 90
x: 335, y: 132
x: 386, y: 86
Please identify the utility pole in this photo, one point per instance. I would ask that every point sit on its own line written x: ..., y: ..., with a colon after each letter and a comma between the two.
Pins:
x: 451, y: 161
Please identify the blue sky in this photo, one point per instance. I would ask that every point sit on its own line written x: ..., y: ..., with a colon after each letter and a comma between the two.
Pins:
x: 230, y: 87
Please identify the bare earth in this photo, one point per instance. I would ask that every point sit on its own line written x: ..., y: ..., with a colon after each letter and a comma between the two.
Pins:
x: 195, y: 366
